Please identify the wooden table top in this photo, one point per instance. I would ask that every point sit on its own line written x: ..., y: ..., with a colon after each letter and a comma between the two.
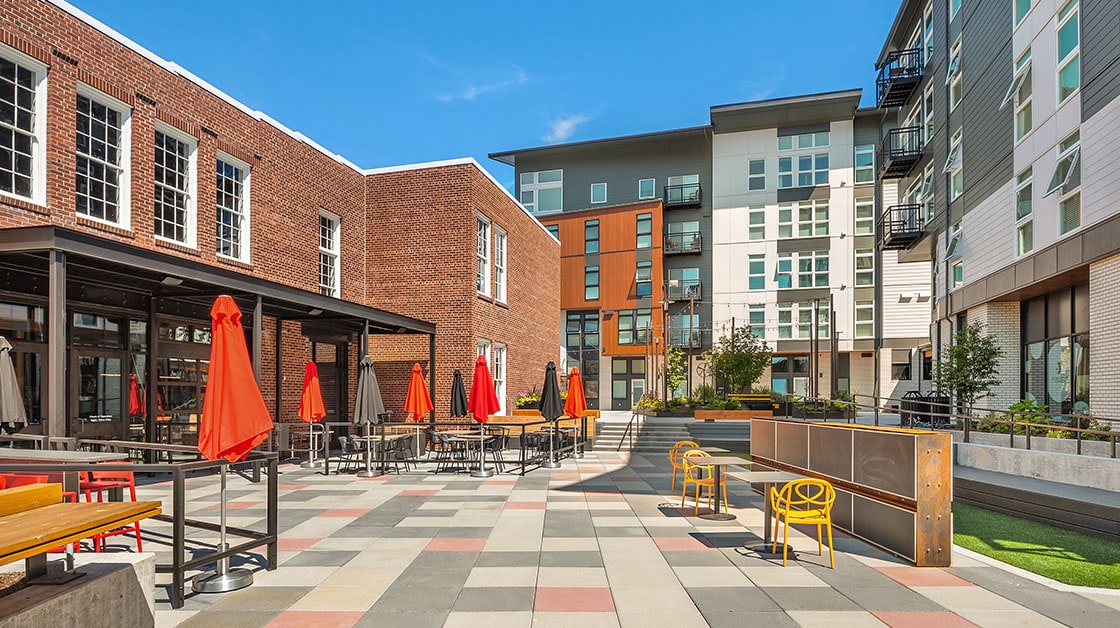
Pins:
x: 32, y: 532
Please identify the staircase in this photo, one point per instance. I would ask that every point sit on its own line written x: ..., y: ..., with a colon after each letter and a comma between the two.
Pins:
x: 649, y: 434
x: 734, y: 436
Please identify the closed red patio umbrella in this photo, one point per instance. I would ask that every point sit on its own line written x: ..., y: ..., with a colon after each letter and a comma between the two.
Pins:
x: 136, y: 406
x: 417, y: 402
x: 482, y: 403
x: 575, y: 406
x: 311, y: 400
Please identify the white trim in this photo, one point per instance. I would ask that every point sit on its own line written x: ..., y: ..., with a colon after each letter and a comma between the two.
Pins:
x: 39, y: 130
x: 337, y: 252
x: 246, y: 214
x: 192, y: 184
x: 486, y: 257
x: 651, y: 196
x: 593, y: 201
x: 124, y: 183
x: 495, y: 232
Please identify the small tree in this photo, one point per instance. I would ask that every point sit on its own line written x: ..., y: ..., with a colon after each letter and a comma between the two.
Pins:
x: 968, y: 369
x: 740, y: 358
x: 675, y: 374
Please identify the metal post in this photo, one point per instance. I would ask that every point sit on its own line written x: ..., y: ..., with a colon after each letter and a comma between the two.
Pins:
x: 258, y: 321
x: 814, y: 351
x: 431, y: 386
x: 688, y: 361
x: 56, y: 334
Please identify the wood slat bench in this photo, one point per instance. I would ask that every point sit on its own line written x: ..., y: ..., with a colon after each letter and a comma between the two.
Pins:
x: 35, y: 520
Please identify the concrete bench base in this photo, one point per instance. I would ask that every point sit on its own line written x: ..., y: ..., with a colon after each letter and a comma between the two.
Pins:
x: 118, y: 589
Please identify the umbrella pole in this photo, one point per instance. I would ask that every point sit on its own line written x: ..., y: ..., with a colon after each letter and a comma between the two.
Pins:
x: 577, y: 446
x: 482, y: 471
x: 368, y: 473
x: 311, y: 463
x: 222, y: 579
x: 552, y: 462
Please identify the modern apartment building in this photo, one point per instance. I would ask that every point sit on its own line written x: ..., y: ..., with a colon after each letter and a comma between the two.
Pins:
x: 794, y: 196
x: 633, y: 215
x: 132, y: 193
x: 1008, y: 115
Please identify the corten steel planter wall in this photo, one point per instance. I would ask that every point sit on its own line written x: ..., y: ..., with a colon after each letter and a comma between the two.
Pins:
x: 732, y: 415
x: 893, y: 486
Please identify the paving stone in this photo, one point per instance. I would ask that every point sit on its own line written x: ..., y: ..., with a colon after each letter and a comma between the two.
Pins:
x: 321, y: 558
x: 814, y: 599
x: 727, y: 599
x: 495, y: 599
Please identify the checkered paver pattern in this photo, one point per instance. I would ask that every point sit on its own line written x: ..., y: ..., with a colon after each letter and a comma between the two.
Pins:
x: 602, y: 541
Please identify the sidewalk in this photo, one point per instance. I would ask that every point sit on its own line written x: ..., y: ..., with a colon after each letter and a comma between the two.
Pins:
x: 598, y: 542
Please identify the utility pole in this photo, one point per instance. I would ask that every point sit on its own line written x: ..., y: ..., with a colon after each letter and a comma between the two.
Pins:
x: 814, y: 351
x: 688, y: 362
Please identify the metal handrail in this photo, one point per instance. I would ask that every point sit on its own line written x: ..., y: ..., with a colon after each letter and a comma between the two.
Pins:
x: 683, y: 242
x: 684, y: 194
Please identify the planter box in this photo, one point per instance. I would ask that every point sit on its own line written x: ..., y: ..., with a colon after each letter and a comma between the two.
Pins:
x: 732, y: 415
x: 830, y: 415
x: 526, y: 412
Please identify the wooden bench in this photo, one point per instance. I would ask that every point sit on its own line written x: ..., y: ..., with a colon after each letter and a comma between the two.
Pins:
x: 753, y: 401
x: 34, y: 520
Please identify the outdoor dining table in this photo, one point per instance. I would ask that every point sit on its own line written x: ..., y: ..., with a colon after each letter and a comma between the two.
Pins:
x: 718, y: 462
x: 477, y: 441
x: 368, y: 441
x: 70, y: 479
x: 768, y: 479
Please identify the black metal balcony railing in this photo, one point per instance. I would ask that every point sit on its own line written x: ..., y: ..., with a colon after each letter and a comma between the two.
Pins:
x: 686, y: 195
x: 898, y: 78
x: 683, y: 338
x: 900, y: 227
x: 900, y: 151
x: 686, y: 242
x: 683, y: 291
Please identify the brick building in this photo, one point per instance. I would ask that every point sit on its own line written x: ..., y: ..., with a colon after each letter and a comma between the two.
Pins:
x: 132, y: 193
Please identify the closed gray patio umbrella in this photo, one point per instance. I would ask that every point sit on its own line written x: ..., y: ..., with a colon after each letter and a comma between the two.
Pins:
x: 368, y: 406
x: 12, y: 413
x: 552, y: 408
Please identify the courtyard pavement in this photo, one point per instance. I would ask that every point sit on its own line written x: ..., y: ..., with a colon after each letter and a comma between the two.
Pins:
x: 599, y: 542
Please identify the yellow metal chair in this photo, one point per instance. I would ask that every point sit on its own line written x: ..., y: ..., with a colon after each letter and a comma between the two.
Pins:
x: 806, y: 501
x: 675, y: 454
x: 700, y: 475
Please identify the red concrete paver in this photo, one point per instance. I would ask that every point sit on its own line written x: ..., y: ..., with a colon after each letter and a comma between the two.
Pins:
x: 291, y: 487
x: 573, y: 600
x: 680, y: 544
x: 525, y: 505
x: 345, y: 512
x: 452, y: 544
x: 923, y: 577
x: 921, y: 619
x: 418, y: 493
x: 295, y: 544
x: 316, y: 619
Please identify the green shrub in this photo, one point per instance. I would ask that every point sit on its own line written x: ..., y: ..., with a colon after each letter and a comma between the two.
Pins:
x: 1027, y: 414
x: 649, y: 403
x: 703, y: 395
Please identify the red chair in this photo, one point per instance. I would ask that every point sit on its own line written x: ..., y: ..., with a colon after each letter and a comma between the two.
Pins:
x: 100, y: 481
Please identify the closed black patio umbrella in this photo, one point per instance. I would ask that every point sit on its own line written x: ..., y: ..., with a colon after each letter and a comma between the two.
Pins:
x: 368, y: 406
x: 552, y: 408
x: 458, y: 396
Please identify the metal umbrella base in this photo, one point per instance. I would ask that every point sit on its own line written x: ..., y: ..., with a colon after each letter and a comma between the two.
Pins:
x: 311, y: 463
x: 223, y: 579
x: 482, y: 471
x: 552, y: 462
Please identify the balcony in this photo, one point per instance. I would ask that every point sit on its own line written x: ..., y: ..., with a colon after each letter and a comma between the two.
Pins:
x: 901, y: 227
x: 683, y: 291
x: 683, y: 338
x: 686, y: 195
x: 900, y: 152
x: 682, y: 243
x: 898, y: 78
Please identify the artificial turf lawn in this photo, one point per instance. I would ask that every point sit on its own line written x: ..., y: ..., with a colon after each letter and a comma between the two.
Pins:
x: 1062, y: 555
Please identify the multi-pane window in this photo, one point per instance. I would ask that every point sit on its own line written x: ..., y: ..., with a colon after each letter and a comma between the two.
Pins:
x: 232, y: 207
x: 865, y: 267
x: 684, y: 330
x: 865, y: 164
x: 756, y: 272
x: 927, y: 112
x: 757, y: 319
x: 22, y: 125
x: 954, y: 6
x: 803, y: 141
x: 785, y: 220
x: 1067, y: 169
x: 498, y: 373
x: 598, y: 193
x: 812, y: 169
x: 865, y: 216
x: 785, y: 172
x: 757, y: 219
x: 647, y: 188
x: 954, y: 166
x: 1022, y: 7
x: 805, y: 320
x: 482, y: 242
x: 645, y: 231
x: 634, y: 326
x: 925, y: 194
x: 785, y: 320
x: 756, y: 175
x: 591, y: 283
x: 174, y: 182
x: 643, y: 279
x: 1069, y: 213
x: 328, y: 254
x: 683, y: 237
x: 1069, y: 50
x: 500, y: 252
x: 1024, y: 212
x: 784, y: 275
x: 953, y: 77
x: 957, y: 274
x: 591, y: 236
x: 684, y: 283
x: 554, y: 230
x: 1019, y: 93
x: 100, y: 184
x: 865, y: 318
x: 812, y: 269
x: 543, y: 192
x: 812, y: 219
x: 803, y: 170
x: 927, y: 31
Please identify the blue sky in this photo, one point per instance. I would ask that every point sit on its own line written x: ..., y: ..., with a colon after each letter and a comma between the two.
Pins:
x: 389, y: 83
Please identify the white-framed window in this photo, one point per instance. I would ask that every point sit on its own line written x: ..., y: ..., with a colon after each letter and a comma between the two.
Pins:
x: 756, y: 272
x: 101, y: 160
x: 953, y: 248
x: 865, y: 318
x: 954, y: 7
x: 757, y: 318
x: 1069, y: 213
x: 756, y: 230
x: 1069, y: 50
x: 500, y: 252
x: 23, y: 126
x: 175, y: 185
x: 756, y: 175
x: 482, y: 241
x: 865, y: 216
x: 232, y: 207
x: 957, y: 274
x: 927, y: 26
x: 865, y: 267
x: 865, y: 164
x: 799, y: 316
x: 954, y: 166
x: 784, y: 274
x: 811, y: 169
x: 1022, y: 8
x: 785, y: 320
x: 913, y: 119
x: 803, y: 141
x: 953, y: 78
x: 785, y: 172
x: 927, y: 112
x: 498, y: 374
x: 329, y: 251
x: 1019, y: 93
x: 1067, y: 168
x: 598, y: 193
x: 925, y: 194
x: 1024, y: 212
x: 812, y: 269
x: 643, y: 280
x: 812, y: 218
x: 785, y: 220
x: 483, y: 349
x: 543, y: 192
x: 647, y: 188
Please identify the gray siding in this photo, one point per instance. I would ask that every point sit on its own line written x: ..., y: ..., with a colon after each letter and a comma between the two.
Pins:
x: 1100, y: 55
x: 988, y: 137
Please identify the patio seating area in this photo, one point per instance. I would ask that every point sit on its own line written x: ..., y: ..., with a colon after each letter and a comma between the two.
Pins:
x: 601, y: 541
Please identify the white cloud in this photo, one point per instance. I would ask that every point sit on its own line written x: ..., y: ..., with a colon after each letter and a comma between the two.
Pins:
x: 474, y: 91
x: 561, y: 129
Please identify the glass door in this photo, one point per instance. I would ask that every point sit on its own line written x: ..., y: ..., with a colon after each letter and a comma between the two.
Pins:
x: 97, y: 398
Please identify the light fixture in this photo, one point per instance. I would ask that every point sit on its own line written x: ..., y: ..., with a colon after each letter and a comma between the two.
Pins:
x: 171, y: 281
x: 314, y: 311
